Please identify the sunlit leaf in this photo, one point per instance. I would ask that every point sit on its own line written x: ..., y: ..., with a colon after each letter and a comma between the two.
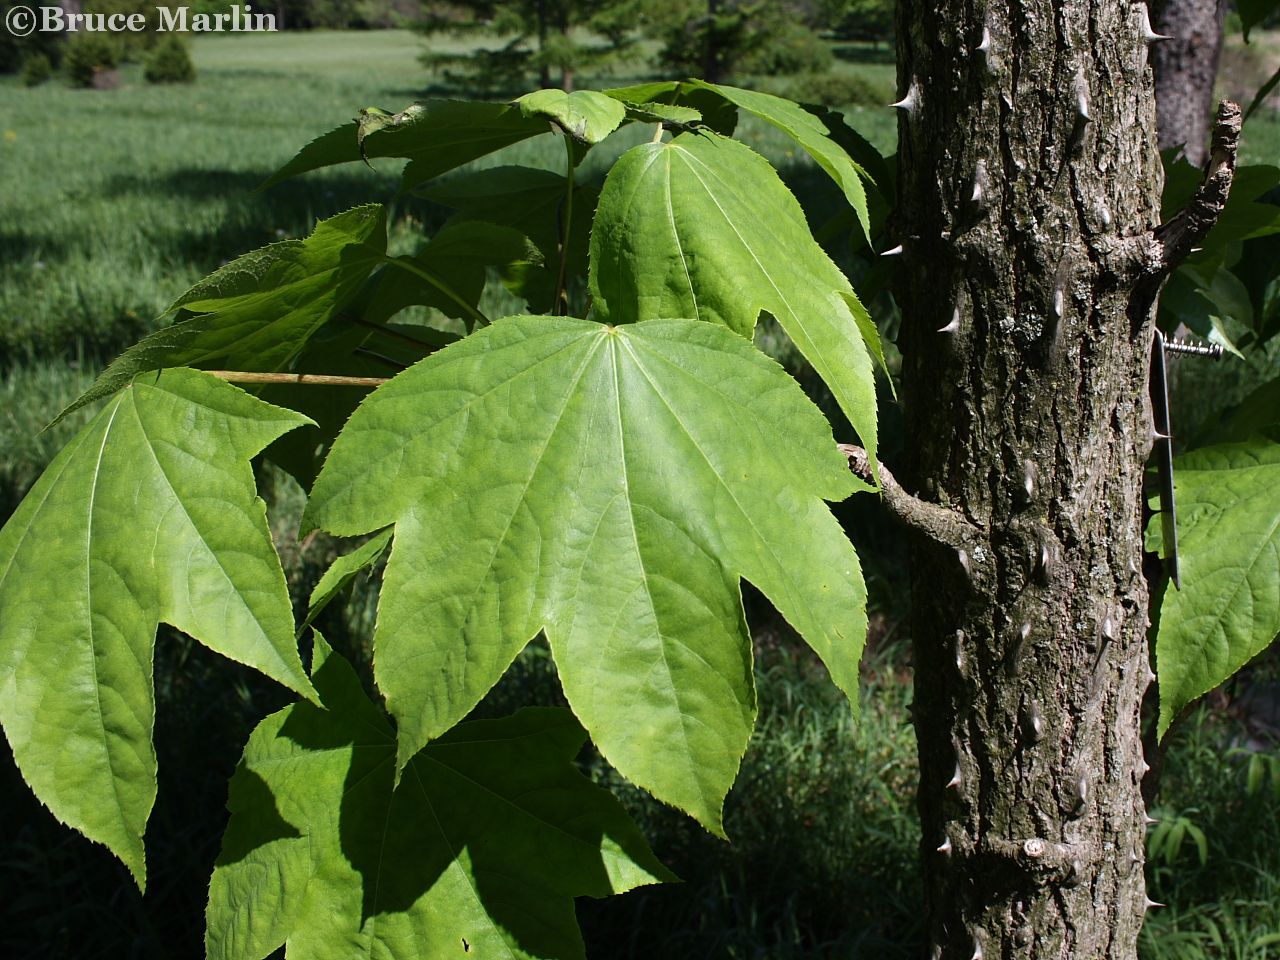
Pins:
x: 608, y: 485
x: 1228, y: 609
x: 811, y: 134
x: 584, y: 114
x: 149, y: 515
x: 702, y: 227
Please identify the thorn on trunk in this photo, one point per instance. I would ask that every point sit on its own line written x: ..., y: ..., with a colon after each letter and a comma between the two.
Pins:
x: 954, y: 325
x: 1081, y: 84
x: 1149, y: 36
x: 956, y: 778
x: 892, y: 251
x: 981, y: 185
x: 909, y: 103
x: 1148, y: 903
x: 944, y: 848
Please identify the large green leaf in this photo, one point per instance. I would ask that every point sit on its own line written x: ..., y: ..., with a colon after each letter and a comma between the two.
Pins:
x: 810, y: 133
x: 478, y: 850
x: 1228, y: 609
x: 584, y: 114
x: 257, y: 312
x: 702, y: 227
x: 608, y: 485
x: 149, y: 514
x: 435, y: 136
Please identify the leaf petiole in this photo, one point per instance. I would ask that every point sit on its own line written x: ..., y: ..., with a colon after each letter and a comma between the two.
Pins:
x: 561, y: 302
x: 478, y: 318
x: 301, y: 379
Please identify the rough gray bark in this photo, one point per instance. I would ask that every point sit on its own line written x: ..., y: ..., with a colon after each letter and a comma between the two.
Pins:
x: 1186, y: 65
x: 1029, y: 198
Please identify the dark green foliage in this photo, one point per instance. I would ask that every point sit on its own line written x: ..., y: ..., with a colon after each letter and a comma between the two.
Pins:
x: 866, y: 20
x: 15, y: 51
x: 89, y: 55
x: 716, y: 39
x: 792, y: 48
x: 539, y: 39
x: 36, y: 69
x: 169, y: 62
x: 837, y: 89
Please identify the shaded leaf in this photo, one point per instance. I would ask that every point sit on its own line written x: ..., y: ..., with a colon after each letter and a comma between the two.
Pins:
x: 493, y: 832
x: 258, y: 312
x: 149, y: 514
x: 1253, y: 12
x: 1257, y: 414
x: 585, y: 115
x: 337, y: 146
x: 450, y: 271
x: 342, y: 348
x: 1264, y: 91
x: 1245, y: 215
x: 702, y: 227
x: 435, y: 136
x: 1228, y: 609
x: 343, y: 570
x: 717, y: 113
x: 608, y: 486
x: 529, y: 201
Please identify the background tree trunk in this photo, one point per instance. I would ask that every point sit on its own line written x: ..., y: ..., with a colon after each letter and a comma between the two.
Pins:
x: 1029, y: 173
x: 1185, y: 67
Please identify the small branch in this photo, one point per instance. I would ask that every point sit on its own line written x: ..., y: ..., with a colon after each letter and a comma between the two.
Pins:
x: 1177, y: 237
x: 477, y: 318
x: 301, y: 379
x: 933, y: 520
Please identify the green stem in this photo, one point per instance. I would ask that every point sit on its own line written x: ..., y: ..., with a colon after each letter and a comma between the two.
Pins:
x: 477, y: 318
x: 562, y: 299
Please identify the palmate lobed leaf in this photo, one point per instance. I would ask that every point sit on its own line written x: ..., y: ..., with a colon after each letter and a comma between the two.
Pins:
x: 806, y: 128
x: 702, y: 227
x: 478, y: 850
x: 148, y: 515
x: 258, y: 312
x: 1228, y: 609
x: 608, y: 485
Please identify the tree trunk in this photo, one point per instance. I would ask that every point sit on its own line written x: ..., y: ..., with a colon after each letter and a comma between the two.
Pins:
x: 1186, y: 66
x: 1029, y: 175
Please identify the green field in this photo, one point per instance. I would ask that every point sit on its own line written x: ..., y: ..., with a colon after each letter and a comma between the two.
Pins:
x: 114, y: 202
